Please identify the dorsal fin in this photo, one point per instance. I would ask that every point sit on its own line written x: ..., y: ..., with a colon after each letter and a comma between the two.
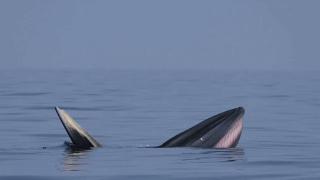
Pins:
x: 79, y: 137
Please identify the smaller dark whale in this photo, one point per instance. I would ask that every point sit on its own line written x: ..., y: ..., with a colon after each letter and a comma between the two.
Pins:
x: 220, y: 131
x: 80, y: 138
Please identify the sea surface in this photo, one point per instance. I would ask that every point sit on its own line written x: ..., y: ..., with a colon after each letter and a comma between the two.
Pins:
x: 129, y: 111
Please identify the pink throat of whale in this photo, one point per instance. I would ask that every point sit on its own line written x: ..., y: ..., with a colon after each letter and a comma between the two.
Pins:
x: 232, y: 136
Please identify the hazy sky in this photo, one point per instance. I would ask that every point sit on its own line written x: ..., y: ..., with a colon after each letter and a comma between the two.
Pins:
x: 162, y: 34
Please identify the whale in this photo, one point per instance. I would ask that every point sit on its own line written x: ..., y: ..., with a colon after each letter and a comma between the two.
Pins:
x: 219, y: 131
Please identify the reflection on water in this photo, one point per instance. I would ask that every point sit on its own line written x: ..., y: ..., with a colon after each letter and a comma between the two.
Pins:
x: 231, y: 154
x: 214, y: 155
x: 74, y: 159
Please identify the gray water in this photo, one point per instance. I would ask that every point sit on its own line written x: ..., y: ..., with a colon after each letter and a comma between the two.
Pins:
x: 128, y: 111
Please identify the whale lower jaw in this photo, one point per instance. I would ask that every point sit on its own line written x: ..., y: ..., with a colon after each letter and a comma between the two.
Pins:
x: 220, y: 131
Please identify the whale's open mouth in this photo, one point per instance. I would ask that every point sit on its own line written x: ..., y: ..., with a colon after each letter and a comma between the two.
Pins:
x: 220, y: 131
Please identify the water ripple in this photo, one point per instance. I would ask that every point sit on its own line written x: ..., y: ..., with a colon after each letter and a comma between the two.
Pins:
x: 25, y: 94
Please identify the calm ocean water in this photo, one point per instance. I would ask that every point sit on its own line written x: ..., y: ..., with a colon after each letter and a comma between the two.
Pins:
x: 128, y: 111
